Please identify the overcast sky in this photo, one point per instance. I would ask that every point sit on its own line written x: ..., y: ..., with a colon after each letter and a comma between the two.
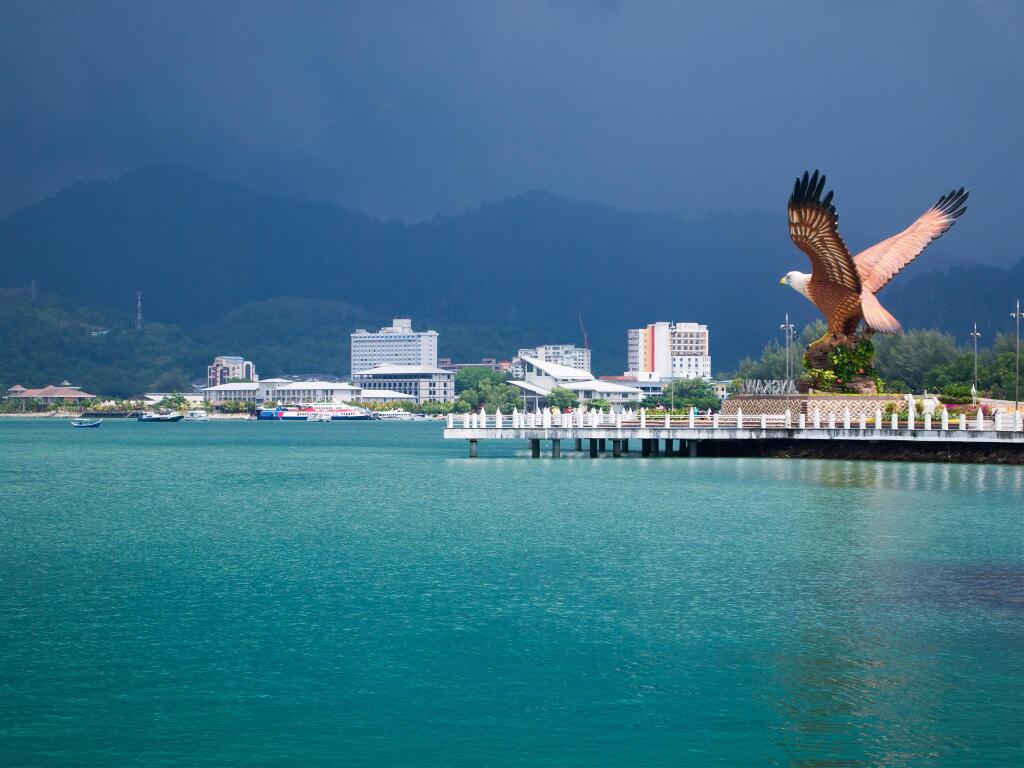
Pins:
x: 410, y: 110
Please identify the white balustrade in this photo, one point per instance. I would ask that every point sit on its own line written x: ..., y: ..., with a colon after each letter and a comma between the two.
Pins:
x: 846, y: 417
x: 910, y: 419
x: 944, y: 420
x: 895, y: 422
x: 1018, y: 422
x: 816, y: 421
x: 497, y: 419
x: 618, y: 420
x: 714, y: 421
x: 451, y: 421
x: 764, y: 421
x: 474, y: 421
x: 831, y: 421
x: 739, y: 418
x: 465, y: 421
x: 927, y: 422
x: 980, y: 420
x: 692, y: 416
x: 643, y: 418
x: 546, y: 418
x: 963, y: 421
x: 878, y: 419
x: 789, y: 419
x: 668, y: 421
x: 801, y: 421
x: 863, y: 421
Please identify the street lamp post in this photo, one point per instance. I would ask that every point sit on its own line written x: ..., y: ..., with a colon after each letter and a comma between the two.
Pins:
x: 787, y: 328
x: 1017, y: 315
x: 974, y: 387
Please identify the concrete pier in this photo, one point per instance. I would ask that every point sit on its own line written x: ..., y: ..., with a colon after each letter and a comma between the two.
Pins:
x: 971, y: 440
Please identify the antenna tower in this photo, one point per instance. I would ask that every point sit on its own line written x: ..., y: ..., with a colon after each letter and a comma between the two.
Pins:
x: 586, y: 340
x: 138, y: 310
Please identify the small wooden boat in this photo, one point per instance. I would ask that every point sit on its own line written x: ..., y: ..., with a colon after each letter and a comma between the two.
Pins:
x: 86, y: 423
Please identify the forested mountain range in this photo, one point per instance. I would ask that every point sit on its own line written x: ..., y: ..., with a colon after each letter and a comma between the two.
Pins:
x: 284, y: 280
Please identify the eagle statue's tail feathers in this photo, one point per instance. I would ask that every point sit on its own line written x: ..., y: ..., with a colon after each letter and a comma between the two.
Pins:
x: 876, y: 316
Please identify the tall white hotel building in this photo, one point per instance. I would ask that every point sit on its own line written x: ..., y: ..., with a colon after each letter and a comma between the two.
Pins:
x: 397, y: 344
x: 664, y: 351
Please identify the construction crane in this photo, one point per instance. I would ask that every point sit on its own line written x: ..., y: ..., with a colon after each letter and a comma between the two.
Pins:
x: 586, y: 340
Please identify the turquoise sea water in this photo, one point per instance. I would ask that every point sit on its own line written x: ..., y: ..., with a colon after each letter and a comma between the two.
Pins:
x: 264, y: 594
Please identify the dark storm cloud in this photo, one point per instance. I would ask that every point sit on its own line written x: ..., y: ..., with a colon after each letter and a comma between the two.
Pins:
x: 408, y: 110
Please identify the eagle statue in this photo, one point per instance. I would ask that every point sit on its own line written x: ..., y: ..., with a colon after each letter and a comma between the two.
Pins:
x: 842, y: 286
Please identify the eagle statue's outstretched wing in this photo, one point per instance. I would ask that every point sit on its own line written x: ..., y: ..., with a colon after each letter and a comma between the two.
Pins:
x: 877, y: 265
x: 813, y: 226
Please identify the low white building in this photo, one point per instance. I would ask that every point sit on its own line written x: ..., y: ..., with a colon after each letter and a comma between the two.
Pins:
x: 242, y: 392
x: 385, y: 396
x: 426, y: 383
x: 315, y: 392
x: 540, y: 377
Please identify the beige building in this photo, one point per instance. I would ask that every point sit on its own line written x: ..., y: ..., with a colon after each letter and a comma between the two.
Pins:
x: 225, y: 368
x: 428, y: 384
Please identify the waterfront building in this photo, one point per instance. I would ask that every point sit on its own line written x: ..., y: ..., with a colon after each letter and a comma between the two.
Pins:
x: 541, y: 376
x: 385, y: 396
x: 568, y: 355
x: 428, y: 384
x: 225, y: 368
x: 49, y: 395
x: 397, y: 344
x: 665, y: 351
x: 314, y: 392
x: 239, y: 391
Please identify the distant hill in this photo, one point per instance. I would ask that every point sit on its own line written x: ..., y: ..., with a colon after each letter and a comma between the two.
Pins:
x: 215, y: 259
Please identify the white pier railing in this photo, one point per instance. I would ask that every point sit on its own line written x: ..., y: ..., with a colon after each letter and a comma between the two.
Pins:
x: 629, y: 420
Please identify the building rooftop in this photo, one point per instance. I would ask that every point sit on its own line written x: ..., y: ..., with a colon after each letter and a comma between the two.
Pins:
x: 52, y: 391
x: 241, y: 386
x: 315, y: 385
x: 408, y: 370
x: 557, y: 371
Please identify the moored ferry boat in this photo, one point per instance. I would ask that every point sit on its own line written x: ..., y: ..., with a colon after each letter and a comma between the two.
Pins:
x: 303, y: 412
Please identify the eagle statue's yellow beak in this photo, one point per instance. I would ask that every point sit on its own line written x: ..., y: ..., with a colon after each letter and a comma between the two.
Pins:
x: 782, y: 281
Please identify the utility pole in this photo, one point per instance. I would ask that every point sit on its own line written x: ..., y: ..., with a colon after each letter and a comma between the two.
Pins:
x: 788, y: 328
x: 974, y: 387
x: 138, y: 310
x: 1017, y: 315
x: 672, y: 366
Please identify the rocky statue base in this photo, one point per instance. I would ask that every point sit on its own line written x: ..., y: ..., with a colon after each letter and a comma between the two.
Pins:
x: 840, y: 364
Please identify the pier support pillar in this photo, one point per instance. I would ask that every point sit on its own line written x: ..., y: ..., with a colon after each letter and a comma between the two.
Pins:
x: 579, y: 444
x: 645, y: 447
x: 625, y: 445
x: 668, y: 446
x: 593, y: 448
x: 535, y: 448
x: 655, y: 447
x: 472, y: 449
x: 602, y: 445
x: 691, y: 448
x: 556, y: 449
x: 616, y: 448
